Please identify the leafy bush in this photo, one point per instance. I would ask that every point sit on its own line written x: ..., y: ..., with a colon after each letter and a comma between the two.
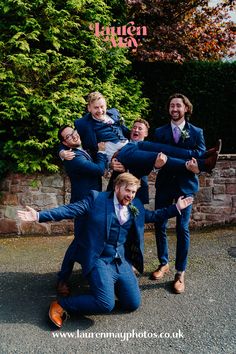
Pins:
x: 49, y: 61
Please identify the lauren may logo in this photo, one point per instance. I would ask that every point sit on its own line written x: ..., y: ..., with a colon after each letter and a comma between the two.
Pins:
x: 122, y: 36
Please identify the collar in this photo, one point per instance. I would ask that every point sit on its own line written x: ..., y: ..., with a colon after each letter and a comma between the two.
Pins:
x: 116, y: 202
x: 73, y: 148
x: 106, y: 119
x: 180, y: 126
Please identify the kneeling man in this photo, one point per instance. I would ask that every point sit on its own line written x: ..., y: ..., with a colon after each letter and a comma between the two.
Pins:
x: 111, y: 243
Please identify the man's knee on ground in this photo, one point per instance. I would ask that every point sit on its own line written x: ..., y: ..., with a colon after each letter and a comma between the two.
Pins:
x: 132, y: 305
x: 106, y: 306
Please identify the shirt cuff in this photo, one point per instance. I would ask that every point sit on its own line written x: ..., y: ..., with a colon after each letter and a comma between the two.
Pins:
x: 178, y: 209
x: 155, y: 169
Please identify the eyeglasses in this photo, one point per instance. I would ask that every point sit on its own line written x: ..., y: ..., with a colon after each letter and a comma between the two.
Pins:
x: 70, y: 136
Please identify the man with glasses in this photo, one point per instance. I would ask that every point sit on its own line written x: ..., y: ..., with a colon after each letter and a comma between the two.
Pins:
x: 85, y: 175
x: 84, y: 172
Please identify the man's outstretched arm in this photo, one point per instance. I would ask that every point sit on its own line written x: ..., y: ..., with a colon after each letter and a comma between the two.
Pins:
x: 169, y: 212
x: 69, y: 211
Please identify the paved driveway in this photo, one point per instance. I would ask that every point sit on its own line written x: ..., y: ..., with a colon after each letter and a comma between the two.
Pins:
x: 202, y: 320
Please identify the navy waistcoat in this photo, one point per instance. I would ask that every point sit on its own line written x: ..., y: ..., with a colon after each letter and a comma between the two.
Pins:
x: 114, y: 247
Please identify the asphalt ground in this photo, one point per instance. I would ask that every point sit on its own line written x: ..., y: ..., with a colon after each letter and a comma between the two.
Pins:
x: 202, y: 320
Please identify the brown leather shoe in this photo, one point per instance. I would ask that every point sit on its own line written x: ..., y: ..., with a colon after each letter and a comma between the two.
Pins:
x: 210, y: 162
x: 216, y: 148
x: 57, y: 314
x: 160, y: 272
x: 62, y: 288
x: 179, y: 285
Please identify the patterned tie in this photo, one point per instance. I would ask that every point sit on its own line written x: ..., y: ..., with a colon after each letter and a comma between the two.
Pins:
x: 122, y: 216
x: 176, y: 134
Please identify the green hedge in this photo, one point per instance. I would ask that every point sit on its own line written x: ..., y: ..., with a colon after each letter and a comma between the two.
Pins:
x: 49, y: 62
x: 210, y: 86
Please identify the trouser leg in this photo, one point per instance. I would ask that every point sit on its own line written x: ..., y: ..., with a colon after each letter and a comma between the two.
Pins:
x: 183, y: 238
x: 102, y: 296
x: 127, y: 288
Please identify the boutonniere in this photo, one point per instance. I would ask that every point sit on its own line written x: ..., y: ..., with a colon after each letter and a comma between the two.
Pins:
x: 134, y: 210
x: 122, y: 121
x: 185, y: 134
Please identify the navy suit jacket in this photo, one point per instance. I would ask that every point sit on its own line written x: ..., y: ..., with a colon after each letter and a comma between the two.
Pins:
x: 85, y: 128
x: 84, y: 173
x: 96, y: 211
x: 186, y: 181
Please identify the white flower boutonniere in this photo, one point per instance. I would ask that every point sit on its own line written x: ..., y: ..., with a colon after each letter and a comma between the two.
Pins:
x: 185, y: 134
x: 134, y: 210
x: 122, y: 121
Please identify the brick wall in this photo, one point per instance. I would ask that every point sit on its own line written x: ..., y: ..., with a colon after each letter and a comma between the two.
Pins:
x: 215, y: 203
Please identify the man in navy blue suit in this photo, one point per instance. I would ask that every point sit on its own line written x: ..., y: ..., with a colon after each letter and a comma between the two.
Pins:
x: 84, y: 172
x: 138, y: 132
x: 111, y: 243
x: 85, y: 175
x: 181, y: 134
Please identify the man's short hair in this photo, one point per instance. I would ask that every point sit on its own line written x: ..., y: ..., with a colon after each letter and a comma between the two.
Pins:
x: 94, y: 96
x: 143, y: 121
x: 60, y: 137
x: 185, y: 100
x: 126, y: 179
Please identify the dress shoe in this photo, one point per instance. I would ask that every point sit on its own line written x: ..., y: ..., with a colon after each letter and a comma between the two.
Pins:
x: 178, y: 285
x: 62, y: 288
x: 216, y: 148
x: 210, y: 162
x: 160, y: 272
x: 57, y: 314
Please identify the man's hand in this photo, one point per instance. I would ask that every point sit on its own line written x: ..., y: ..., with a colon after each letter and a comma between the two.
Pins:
x: 67, y: 154
x: 101, y: 146
x: 115, y: 165
x: 29, y: 215
x: 183, y: 203
x: 160, y: 160
x: 192, y: 165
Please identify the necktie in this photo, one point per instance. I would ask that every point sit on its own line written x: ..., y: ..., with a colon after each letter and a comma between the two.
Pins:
x: 122, y: 216
x: 176, y: 134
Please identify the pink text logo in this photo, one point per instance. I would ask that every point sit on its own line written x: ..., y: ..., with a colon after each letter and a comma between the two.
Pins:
x: 121, y: 36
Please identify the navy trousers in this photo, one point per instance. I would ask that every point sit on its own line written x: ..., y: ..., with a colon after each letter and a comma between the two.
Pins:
x: 170, y: 150
x: 140, y: 159
x: 71, y: 252
x: 107, y: 280
x: 68, y: 262
x: 164, y: 198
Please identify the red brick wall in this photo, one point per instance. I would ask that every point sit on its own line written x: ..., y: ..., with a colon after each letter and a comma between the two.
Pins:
x: 215, y: 203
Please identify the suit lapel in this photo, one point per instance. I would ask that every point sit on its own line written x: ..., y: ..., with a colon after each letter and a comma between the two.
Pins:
x: 186, y: 142
x: 169, y: 134
x: 110, y: 212
x: 84, y: 153
x: 137, y: 217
